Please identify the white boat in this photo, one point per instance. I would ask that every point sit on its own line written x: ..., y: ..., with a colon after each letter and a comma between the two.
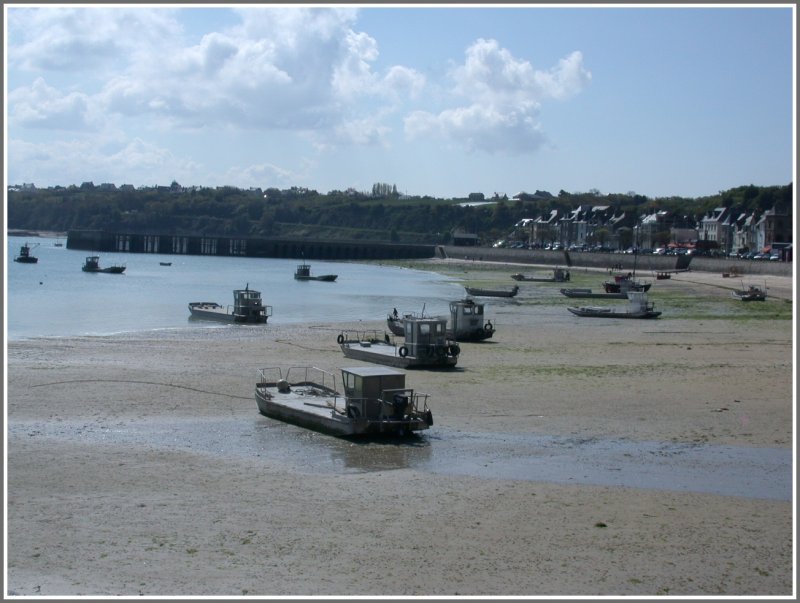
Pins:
x: 468, y: 321
x: 638, y: 307
x: 426, y: 345
x: 375, y: 401
x: 247, y: 308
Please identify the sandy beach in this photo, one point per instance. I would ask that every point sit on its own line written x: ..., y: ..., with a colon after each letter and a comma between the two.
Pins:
x: 139, y: 465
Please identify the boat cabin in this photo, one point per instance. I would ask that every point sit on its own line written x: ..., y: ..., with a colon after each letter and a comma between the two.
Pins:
x: 248, y: 307
x: 467, y: 320
x: 92, y: 262
x: 303, y: 271
x: 425, y: 336
x: 376, y: 392
x: 637, y: 302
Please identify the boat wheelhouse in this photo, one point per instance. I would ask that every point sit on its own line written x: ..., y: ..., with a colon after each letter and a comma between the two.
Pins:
x: 468, y: 322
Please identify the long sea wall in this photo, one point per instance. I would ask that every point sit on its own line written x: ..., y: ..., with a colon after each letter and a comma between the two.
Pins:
x: 622, y: 261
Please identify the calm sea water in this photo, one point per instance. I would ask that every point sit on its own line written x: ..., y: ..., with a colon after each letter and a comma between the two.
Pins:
x: 55, y: 298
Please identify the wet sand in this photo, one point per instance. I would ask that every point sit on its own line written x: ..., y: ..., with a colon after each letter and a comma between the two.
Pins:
x: 138, y: 464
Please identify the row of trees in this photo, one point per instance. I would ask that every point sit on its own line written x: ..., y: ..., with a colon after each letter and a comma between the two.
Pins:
x: 383, y: 215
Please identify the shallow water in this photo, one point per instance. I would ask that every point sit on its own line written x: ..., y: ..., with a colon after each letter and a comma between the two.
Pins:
x: 55, y: 298
x: 763, y: 473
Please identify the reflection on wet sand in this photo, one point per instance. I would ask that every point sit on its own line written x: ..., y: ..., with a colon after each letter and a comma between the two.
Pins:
x: 725, y: 470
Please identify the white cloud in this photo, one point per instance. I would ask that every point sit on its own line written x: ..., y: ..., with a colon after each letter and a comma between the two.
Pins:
x: 480, y: 128
x: 76, y: 161
x: 279, y: 68
x: 401, y: 81
x: 504, y: 97
x: 81, y: 39
x: 42, y: 106
x: 263, y: 175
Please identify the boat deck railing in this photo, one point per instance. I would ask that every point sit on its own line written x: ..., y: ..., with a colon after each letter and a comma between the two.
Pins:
x: 366, y: 336
x: 417, y: 402
x: 315, y: 379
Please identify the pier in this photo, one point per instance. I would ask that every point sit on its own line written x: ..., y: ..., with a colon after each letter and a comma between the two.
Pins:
x: 97, y: 241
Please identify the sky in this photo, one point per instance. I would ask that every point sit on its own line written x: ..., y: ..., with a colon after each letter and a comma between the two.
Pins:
x: 661, y: 101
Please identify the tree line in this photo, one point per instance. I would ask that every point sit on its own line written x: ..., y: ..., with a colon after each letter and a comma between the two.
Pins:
x: 383, y: 215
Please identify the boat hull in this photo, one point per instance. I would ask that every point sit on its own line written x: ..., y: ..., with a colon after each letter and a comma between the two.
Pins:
x: 216, y: 312
x: 395, y: 325
x: 26, y: 260
x: 325, y: 277
x: 539, y: 279
x: 587, y: 293
x: 390, y: 355
x: 110, y: 270
x: 603, y: 313
x: 491, y: 292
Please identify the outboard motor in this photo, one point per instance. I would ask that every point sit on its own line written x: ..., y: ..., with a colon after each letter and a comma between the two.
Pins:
x: 399, y: 403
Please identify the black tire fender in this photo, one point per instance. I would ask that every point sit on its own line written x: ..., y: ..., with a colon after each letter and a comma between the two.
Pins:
x: 340, y: 338
x: 403, y: 351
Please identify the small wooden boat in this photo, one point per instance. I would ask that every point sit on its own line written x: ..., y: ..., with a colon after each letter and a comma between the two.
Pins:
x: 750, y: 293
x: 394, y: 321
x: 25, y: 256
x: 247, y: 308
x: 426, y: 345
x: 303, y: 273
x: 638, y: 307
x: 559, y: 276
x: 92, y: 264
x: 376, y: 401
x: 623, y: 284
x: 588, y: 293
x: 478, y: 292
x: 165, y: 263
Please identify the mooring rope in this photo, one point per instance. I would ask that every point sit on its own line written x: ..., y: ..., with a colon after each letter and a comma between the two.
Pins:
x: 194, y: 389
